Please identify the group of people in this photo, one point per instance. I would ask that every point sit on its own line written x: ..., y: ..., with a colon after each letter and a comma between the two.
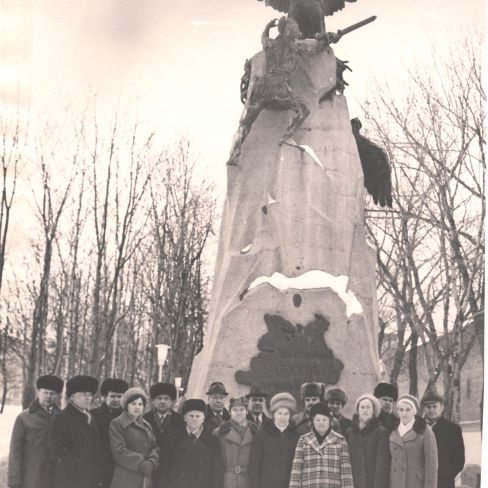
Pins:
x: 135, y: 440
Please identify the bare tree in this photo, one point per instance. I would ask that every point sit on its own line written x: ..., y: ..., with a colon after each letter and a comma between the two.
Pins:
x: 431, y: 247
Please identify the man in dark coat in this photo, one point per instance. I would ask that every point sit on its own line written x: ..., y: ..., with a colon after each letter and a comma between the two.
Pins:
x: 310, y: 393
x: 216, y: 412
x: 449, y: 438
x: 257, y: 401
x: 28, y: 462
x: 111, y: 390
x: 387, y: 394
x: 73, y: 439
x: 336, y: 400
x: 195, y: 460
x: 167, y: 426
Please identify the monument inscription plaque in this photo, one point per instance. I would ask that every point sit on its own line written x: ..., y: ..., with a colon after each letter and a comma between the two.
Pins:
x: 291, y: 354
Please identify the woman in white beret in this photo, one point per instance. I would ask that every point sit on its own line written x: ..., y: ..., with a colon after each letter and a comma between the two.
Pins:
x: 413, y: 449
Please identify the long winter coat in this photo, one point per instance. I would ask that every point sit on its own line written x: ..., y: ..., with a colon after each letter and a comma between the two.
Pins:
x: 388, y: 421
x: 303, y: 423
x: 196, y: 463
x: 132, y: 443
x: 74, y: 447
x: 212, y: 421
x: 414, y: 457
x: 369, y: 451
x: 166, y: 437
x: 450, y: 450
x: 264, y: 419
x: 236, y: 453
x: 103, y: 416
x: 324, y: 465
x: 28, y: 463
x: 271, y: 456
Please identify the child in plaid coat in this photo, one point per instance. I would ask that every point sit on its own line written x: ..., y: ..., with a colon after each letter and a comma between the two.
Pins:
x: 321, y: 456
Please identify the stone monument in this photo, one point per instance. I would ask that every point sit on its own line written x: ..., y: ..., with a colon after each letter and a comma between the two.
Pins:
x: 294, y: 293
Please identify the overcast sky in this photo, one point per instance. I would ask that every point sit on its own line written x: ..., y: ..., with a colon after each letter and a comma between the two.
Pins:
x: 178, y: 63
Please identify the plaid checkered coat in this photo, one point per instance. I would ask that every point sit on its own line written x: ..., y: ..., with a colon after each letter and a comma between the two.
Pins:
x: 317, y: 466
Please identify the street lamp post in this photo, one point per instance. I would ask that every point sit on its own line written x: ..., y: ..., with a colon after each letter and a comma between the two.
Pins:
x: 178, y: 386
x: 162, y: 355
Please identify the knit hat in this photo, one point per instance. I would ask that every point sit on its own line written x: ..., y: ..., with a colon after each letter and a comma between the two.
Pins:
x: 114, y: 385
x: 373, y: 400
x: 320, y: 408
x: 386, y: 390
x: 217, y: 388
x: 432, y: 397
x: 50, y: 382
x: 163, y: 389
x: 411, y: 400
x: 133, y: 394
x: 312, y: 389
x: 238, y: 402
x: 336, y: 394
x: 193, y: 404
x: 81, y: 383
x: 256, y: 392
x: 283, y: 400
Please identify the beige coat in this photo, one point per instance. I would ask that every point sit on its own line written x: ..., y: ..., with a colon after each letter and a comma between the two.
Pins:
x: 414, y: 457
x: 132, y: 443
x: 236, y: 454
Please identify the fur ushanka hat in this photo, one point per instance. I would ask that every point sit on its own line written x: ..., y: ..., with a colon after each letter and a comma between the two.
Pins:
x: 81, y: 384
x: 50, y: 382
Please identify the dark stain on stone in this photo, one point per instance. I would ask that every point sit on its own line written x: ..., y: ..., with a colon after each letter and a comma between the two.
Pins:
x: 290, y: 355
x: 243, y: 294
x: 264, y: 208
x: 298, y: 268
x: 297, y: 300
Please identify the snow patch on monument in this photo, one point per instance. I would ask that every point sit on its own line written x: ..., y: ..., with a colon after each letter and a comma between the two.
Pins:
x: 312, y: 280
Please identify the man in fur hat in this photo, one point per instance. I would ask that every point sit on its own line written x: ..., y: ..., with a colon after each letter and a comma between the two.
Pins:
x: 387, y: 394
x: 111, y: 390
x: 216, y: 412
x: 73, y: 438
x: 336, y: 400
x: 195, y: 460
x: 310, y: 393
x: 449, y: 439
x: 257, y: 401
x: 167, y: 426
x: 28, y: 463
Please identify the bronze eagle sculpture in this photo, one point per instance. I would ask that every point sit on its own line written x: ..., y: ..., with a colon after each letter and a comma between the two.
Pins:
x: 309, y: 14
x: 376, y: 167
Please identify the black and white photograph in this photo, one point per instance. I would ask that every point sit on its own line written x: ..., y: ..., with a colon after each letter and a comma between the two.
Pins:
x: 242, y: 243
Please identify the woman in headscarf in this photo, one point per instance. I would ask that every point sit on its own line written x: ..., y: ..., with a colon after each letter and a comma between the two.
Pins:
x: 368, y: 445
x: 274, y: 445
x: 413, y: 449
x: 133, y: 444
x: 321, y: 456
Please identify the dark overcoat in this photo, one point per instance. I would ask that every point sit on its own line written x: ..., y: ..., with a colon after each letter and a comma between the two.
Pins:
x: 265, y: 419
x: 370, y: 454
x: 74, y: 447
x: 413, y: 457
x: 272, y: 455
x: 303, y: 423
x: 450, y: 450
x: 388, y: 421
x: 166, y: 436
x: 196, y: 463
x: 236, y: 453
x: 212, y: 421
x: 132, y: 442
x: 29, y: 465
x: 103, y: 416
x: 344, y: 424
